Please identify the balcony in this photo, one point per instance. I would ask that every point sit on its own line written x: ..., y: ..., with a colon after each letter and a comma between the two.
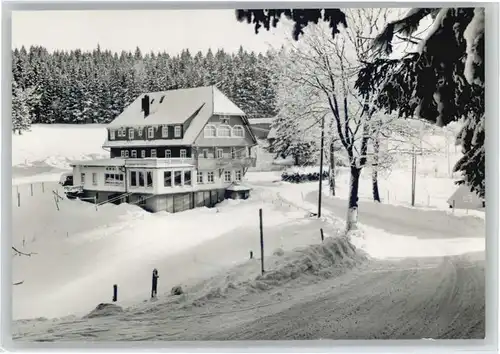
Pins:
x: 226, y: 162
x: 159, y: 162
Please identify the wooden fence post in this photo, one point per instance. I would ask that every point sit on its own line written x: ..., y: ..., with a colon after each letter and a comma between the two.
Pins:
x: 31, y: 186
x: 251, y: 254
x: 57, y: 203
x: 115, y: 293
x: 322, y: 235
x: 261, y: 243
x: 18, y: 199
x: 43, y: 188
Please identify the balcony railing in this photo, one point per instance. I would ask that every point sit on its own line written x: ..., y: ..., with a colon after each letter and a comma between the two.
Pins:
x: 215, y: 163
x: 159, y: 162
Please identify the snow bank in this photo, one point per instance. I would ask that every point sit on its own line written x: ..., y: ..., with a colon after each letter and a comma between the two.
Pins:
x: 79, y: 248
x: 331, y: 258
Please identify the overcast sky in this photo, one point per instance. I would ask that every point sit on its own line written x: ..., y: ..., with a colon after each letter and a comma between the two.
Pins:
x: 150, y: 30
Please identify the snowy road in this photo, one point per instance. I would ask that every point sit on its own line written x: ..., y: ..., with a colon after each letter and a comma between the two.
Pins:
x: 407, y: 221
x: 410, y: 299
x: 426, y: 299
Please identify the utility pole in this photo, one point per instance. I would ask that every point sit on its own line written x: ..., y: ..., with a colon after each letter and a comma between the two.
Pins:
x: 321, y: 165
x: 413, y: 176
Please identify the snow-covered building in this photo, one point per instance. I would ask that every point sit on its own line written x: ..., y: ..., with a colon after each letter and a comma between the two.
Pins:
x: 464, y: 198
x: 172, y: 150
x: 261, y: 126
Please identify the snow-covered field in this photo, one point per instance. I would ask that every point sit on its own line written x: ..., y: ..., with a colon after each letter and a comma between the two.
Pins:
x: 81, y: 252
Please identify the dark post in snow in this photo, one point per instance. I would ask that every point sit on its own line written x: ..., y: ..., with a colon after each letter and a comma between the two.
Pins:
x: 321, y: 164
x: 31, y: 185
x: 154, y: 285
x: 413, y: 176
x: 261, y: 243
x: 18, y: 199
x: 115, y: 293
x: 251, y: 254
x: 322, y: 235
x: 43, y: 188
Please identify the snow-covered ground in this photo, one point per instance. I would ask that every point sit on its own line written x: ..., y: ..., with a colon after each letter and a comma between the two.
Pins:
x: 82, y: 252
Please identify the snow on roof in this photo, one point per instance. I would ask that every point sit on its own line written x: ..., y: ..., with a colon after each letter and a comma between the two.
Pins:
x: 99, y: 162
x: 192, y: 107
x: 223, y: 105
x: 268, y: 120
x: 238, y: 187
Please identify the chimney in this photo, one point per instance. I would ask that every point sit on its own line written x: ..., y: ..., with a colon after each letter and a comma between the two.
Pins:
x: 145, y: 105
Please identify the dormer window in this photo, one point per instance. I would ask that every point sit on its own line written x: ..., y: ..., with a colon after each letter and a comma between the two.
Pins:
x: 151, y: 133
x: 177, y: 131
x: 131, y: 134
x: 121, y: 132
x: 224, y: 119
x: 111, y: 134
x: 134, y: 154
x: 238, y: 131
x: 183, y: 153
x: 209, y: 131
x: 224, y: 131
x: 139, y: 132
x: 168, y: 153
x: 153, y: 152
x: 164, y: 131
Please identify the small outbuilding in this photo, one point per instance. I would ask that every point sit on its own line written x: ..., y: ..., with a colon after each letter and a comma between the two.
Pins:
x: 464, y: 198
x: 238, y: 191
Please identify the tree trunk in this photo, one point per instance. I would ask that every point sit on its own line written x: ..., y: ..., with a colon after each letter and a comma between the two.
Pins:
x: 332, y: 170
x: 296, y: 159
x: 376, y: 149
x: 376, y: 195
x: 352, y: 212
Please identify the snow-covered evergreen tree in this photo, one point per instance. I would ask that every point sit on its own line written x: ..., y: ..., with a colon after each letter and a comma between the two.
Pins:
x: 21, y: 117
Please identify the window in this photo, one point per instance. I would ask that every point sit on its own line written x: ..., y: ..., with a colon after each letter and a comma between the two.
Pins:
x: 82, y: 176
x: 220, y: 153
x: 111, y: 134
x: 177, y: 131
x: 209, y: 131
x: 205, y: 153
x: 149, y: 179
x: 133, y: 153
x: 168, y: 153
x: 183, y: 153
x: 210, y: 177
x: 142, y: 201
x: 133, y: 178
x: 122, y: 153
x: 94, y: 178
x: 113, y: 178
x: 167, y: 179
x: 164, y: 131
x: 224, y: 119
x: 187, y: 178
x: 237, y: 176
x: 199, y: 177
x: 224, y: 131
x: 131, y: 134
x: 139, y: 132
x: 126, y: 153
x: 227, y: 176
x: 143, y: 153
x: 238, y: 131
x: 141, y: 179
x: 153, y: 152
x: 233, y: 153
x: 177, y: 178
x: 151, y: 133
x: 121, y: 132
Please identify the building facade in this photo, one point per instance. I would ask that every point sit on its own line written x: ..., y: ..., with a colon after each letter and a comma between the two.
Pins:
x: 172, y: 150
